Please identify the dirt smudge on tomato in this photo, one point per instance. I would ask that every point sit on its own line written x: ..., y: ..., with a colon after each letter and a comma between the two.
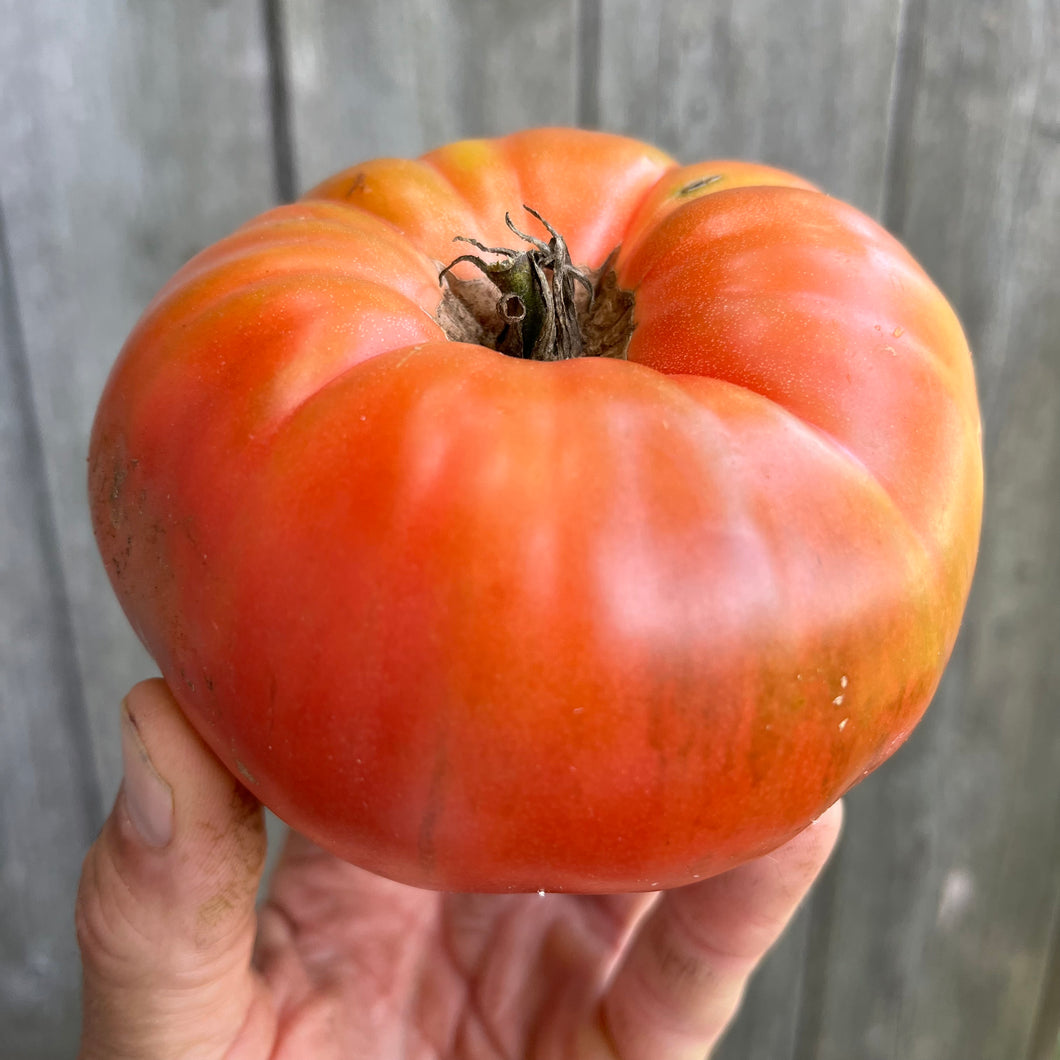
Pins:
x: 117, y: 513
x: 356, y: 185
x: 116, y: 494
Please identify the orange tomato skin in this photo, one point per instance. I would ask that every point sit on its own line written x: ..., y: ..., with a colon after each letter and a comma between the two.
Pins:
x: 484, y: 624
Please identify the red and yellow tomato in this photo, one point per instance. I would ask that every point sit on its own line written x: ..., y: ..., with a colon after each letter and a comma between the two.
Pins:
x: 478, y: 622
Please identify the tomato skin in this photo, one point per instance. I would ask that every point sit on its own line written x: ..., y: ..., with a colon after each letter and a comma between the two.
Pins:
x: 478, y: 623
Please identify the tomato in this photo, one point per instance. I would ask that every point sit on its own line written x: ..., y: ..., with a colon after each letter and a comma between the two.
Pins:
x: 486, y: 622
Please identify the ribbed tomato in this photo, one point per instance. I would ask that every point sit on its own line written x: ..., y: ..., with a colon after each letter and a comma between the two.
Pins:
x: 488, y: 622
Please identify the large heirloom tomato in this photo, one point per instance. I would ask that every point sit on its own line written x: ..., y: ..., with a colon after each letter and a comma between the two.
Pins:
x: 485, y: 584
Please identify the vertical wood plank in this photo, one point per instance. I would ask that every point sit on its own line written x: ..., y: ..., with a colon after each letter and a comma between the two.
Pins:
x: 804, y: 86
x: 130, y: 135
x: 138, y: 133
x: 946, y: 889
x: 141, y: 133
x: 49, y: 801
x: 1045, y: 1038
x: 407, y: 75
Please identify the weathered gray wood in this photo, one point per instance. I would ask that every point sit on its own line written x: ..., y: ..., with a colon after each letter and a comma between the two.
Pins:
x: 948, y: 879
x: 407, y: 75
x: 131, y: 135
x: 128, y: 138
x: 1045, y: 1038
x: 49, y: 800
x: 805, y: 86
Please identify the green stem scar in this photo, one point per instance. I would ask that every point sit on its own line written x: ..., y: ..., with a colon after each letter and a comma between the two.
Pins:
x: 536, y: 304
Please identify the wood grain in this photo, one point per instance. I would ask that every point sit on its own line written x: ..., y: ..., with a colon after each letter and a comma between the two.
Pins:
x: 803, y: 86
x: 133, y: 134
x: 948, y: 879
x: 49, y: 799
x: 141, y: 134
x: 130, y: 135
x: 408, y: 75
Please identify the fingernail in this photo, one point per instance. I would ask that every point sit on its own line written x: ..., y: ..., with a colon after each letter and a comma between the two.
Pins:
x: 148, y: 798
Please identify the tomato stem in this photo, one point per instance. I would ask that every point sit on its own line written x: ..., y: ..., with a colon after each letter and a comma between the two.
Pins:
x: 535, y: 312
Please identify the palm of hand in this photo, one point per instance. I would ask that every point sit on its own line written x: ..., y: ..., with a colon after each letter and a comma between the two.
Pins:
x: 360, y: 966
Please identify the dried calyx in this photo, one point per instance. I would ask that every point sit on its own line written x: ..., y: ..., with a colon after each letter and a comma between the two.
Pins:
x: 536, y: 304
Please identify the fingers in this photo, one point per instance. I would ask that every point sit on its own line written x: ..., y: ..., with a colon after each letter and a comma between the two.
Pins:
x: 684, y: 975
x: 165, y: 909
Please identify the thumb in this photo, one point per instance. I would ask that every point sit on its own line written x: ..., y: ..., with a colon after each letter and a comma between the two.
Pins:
x: 165, y: 909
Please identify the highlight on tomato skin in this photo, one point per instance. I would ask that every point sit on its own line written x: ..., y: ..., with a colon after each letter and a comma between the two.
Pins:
x: 542, y: 514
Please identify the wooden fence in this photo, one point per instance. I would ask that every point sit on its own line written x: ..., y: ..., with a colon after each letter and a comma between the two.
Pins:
x: 134, y: 132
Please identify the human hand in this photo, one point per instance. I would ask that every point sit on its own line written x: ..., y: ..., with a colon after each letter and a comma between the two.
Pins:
x: 341, y: 963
